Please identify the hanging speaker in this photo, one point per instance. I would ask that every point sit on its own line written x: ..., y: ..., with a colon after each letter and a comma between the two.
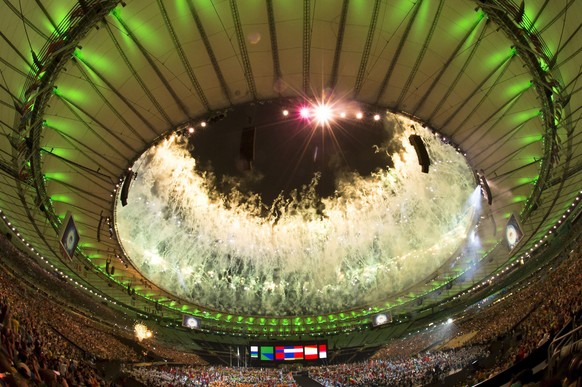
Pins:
x: 125, y: 188
x: 247, y: 147
x: 99, y: 226
x: 421, y: 153
x: 485, y: 189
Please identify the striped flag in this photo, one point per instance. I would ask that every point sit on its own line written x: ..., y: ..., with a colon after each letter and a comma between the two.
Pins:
x: 311, y: 352
x: 293, y: 352
x: 279, y: 352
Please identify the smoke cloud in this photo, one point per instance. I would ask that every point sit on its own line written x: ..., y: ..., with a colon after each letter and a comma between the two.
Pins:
x: 376, y: 236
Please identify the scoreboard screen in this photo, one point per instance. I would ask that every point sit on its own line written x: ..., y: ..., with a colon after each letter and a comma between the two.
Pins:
x: 288, y: 352
x: 513, y: 232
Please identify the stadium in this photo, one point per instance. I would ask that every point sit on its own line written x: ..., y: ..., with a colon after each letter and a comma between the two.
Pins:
x: 293, y: 193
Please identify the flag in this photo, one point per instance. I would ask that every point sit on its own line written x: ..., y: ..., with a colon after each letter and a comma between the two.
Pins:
x: 322, y: 351
x: 254, y: 352
x: 293, y: 352
x: 267, y: 353
x: 279, y: 353
x: 311, y: 352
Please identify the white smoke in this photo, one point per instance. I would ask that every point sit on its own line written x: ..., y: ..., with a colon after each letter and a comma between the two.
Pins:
x: 377, y: 236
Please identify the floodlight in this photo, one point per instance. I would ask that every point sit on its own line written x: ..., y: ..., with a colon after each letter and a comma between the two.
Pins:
x: 323, y: 114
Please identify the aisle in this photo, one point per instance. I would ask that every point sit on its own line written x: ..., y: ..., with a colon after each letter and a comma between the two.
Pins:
x: 306, y: 381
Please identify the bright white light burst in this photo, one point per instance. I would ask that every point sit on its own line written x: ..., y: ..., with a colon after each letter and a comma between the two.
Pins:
x: 378, y: 235
x: 141, y: 331
x: 323, y: 114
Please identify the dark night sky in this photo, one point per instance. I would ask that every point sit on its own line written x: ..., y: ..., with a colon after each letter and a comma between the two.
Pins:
x: 288, y: 150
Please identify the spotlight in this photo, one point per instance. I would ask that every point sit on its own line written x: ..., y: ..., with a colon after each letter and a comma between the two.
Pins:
x: 376, y: 117
x: 304, y: 112
x: 190, y: 322
x: 323, y: 114
x: 285, y: 112
x: 343, y: 114
x: 381, y: 319
x: 359, y: 115
x: 203, y: 124
x: 190, y: 130
x: 449, y: 320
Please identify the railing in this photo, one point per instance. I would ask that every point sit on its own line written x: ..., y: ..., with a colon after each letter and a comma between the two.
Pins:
x: 538, y: 58
x: 562, y: 346
x: 38, y: 89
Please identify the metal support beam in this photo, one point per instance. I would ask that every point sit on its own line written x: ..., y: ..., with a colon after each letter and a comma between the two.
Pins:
x: 242, y: 47
x: 396, y: 56
x: 306, y: 46
x: 367, y: 48
x: 338, y: 44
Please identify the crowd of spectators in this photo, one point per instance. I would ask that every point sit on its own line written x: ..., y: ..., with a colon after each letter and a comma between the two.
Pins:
x: 557, y: 298
x: 92, y: 338
x: 533, y: 314
x: 77, y: 317
x: 421, y: 369
x: 414, y: 343
x: 212, y: 376
x: 45, y: 342
x: 172, y: 354
x: 46, y: 278
x: 32, y: 352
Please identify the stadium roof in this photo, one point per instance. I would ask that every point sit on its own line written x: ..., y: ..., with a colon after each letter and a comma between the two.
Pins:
x: 88, y: 86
